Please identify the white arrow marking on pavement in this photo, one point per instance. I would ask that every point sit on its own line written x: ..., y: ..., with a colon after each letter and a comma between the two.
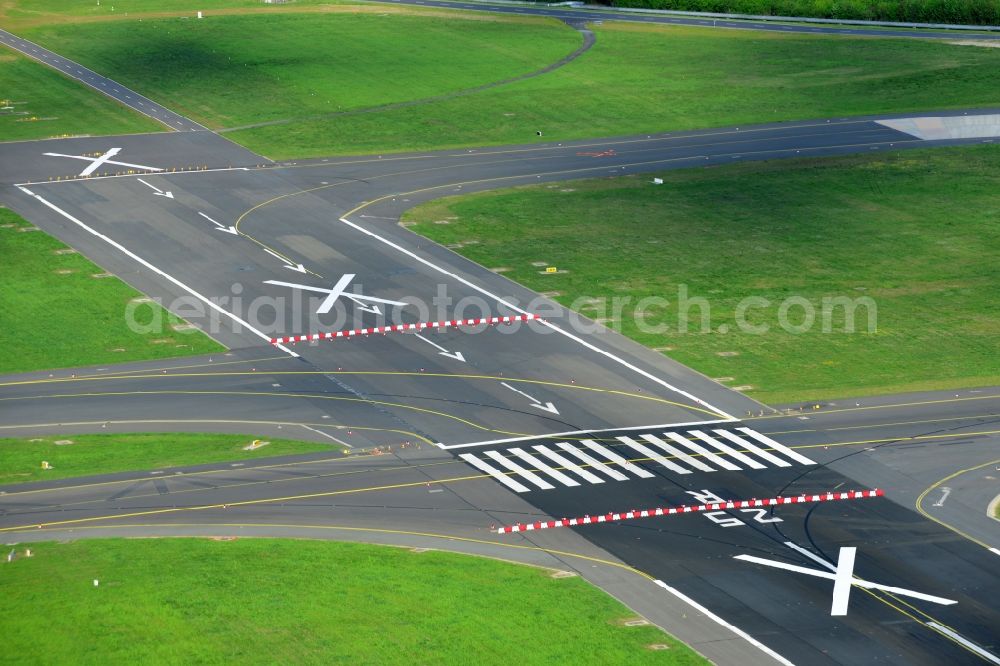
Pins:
x: 96, y: 162
x: 945, y: 491
x: 535, y: 402
x: 835, y: 575
x: 220, y: 227
x: 444, y: 352
x: 338, y: 291
x: 158, y: 192
x: 298, y: 268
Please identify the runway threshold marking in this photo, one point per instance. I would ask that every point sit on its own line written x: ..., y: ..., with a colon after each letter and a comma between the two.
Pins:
x: 614, y: 517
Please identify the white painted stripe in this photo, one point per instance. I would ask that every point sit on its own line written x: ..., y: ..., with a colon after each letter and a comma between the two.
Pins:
x: 541, y: 466
x: 494, y: 472
x: 568, y: 464
x: 526, y: 438
x: 653, y: 455
x: 777, y: 446
x: 842, y: 581
x: 135, y: 257
x: 995, y: 551
x: 674, y: 451
x: 593, y: 462
x: 698, y: 448
x: 752, y: 448
x: 514, y: 467
x: 857, y: 581
x: 614, y: 457
x: 728, y: 450
x: 718, y: 620
x: 988, y: 656
x: 812, y: 556
x: 543, y: 322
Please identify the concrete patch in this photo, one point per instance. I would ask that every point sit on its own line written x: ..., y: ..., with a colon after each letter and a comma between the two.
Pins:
x: 936, y: 128
x: 65, y: 250
x: 102, y: 275
x: 977, y: 42
x: 63, y: 442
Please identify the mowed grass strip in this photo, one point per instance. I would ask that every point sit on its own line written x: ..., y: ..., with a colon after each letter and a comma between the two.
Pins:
x: 84, y: 455
x: 914, y: 231
x: 235, y: 70
x: 265, y: 601
x: 639, y: 79
x: 40, y: 103
x: 62, y: 310
x: 20, y: 13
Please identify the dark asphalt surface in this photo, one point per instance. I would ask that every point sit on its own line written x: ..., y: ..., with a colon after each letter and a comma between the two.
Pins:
x: 234, y: 221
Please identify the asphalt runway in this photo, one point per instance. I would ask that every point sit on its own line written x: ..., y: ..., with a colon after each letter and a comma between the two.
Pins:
x: 481, y: 426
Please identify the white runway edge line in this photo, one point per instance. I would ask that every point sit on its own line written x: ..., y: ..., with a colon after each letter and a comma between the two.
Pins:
x: 718, y: 620
x: 134, y: 256
x: 543, y: 322
x: 674, y: 510
x: 965, y: 642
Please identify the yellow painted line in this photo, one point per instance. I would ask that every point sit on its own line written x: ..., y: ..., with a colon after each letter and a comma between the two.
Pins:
x: 268, y: 394
x: 385, y: 487
x: 925, y: 514
x: 227, y: 505
x: 594, y: 168
x: 386, y: 373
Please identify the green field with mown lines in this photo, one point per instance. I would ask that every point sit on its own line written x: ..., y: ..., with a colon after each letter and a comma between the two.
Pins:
x: 914, y: 233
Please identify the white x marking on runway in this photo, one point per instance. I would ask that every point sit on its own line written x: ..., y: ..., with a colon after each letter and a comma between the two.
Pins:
x: 842, y: 576
x: 97, y: 162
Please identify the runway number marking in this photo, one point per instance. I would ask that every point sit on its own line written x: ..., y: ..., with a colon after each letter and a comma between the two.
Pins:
x: 97, y: 162
x: 722, y: 518
x: 842, y: 575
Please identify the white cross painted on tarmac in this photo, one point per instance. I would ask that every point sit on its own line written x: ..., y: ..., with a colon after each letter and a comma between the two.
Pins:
x: 842, y: 575
x: 97, y: 162
x: 338, y: 290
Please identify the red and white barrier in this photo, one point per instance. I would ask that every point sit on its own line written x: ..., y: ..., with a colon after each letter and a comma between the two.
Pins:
x: 403, y: 328
x: 669, y: 511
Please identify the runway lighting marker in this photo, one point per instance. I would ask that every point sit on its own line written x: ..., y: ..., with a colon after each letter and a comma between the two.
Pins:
x: 669, y: 511
x: 401, y: 328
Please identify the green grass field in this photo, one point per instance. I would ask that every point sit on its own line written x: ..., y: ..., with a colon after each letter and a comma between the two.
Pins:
x: 47, y: 286
x: 915, y: 231
x: 44, y: 104
x: 653, y: 78
x: 636, y: 79
x: 19, y: 13
x: 266, y: 601
x: 83, y: 455
x: 303, y: 64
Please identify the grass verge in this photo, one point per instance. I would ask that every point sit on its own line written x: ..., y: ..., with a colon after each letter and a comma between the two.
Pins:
x: 85, y: 455
x: 299, y: 65
x: 79, y: 309
x: 640, y: 79
x: 39, y: 103
x: 265, y: 601
x: 637, y: 78
x: 915, y: 232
